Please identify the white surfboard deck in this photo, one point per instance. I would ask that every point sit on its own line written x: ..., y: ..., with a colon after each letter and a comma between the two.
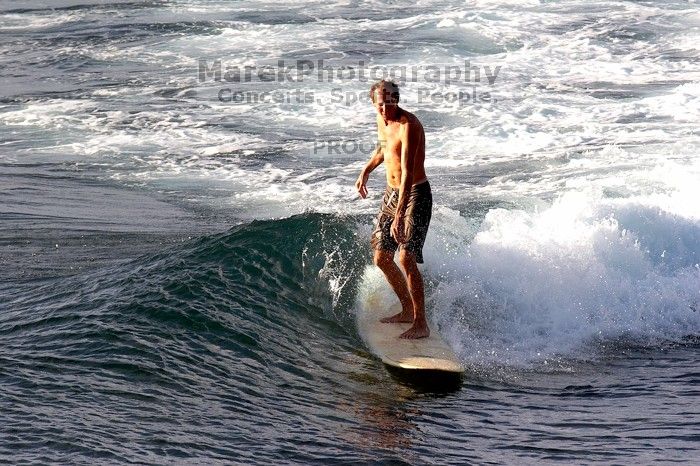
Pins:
x: 430, y: 353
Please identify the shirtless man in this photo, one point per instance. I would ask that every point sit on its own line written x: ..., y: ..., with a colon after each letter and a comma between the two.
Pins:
x: 403, y: 219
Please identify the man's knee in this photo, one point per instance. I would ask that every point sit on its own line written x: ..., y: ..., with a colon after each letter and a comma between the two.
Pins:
x: 383, y: 258
x: 408, y: 261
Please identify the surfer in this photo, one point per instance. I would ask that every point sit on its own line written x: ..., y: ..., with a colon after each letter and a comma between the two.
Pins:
x: 406, y: 208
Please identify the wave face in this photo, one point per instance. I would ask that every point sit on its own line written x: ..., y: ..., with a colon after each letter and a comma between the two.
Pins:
x: 231, y: 323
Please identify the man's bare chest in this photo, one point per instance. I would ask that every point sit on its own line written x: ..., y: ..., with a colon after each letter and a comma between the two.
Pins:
x: 392, y: 141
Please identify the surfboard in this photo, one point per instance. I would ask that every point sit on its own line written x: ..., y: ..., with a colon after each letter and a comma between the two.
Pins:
x: 424, y: 354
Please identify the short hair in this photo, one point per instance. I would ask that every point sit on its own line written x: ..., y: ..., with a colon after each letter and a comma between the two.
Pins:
x: 390, y: 86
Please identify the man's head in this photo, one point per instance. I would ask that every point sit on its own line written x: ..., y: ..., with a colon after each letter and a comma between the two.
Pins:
x: 385, y: 97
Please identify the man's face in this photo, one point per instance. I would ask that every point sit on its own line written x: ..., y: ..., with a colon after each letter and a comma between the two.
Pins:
x: 385, y: 104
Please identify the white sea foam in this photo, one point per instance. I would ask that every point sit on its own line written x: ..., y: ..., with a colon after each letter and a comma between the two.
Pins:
x: 532, y: 288
x: 28, y: 21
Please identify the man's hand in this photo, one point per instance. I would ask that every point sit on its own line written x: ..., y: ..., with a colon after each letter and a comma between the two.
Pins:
x: 398, y: 229
x: 361, y: 184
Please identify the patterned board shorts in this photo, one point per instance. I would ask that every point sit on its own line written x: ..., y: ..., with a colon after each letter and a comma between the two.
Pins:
x: 418, y: 212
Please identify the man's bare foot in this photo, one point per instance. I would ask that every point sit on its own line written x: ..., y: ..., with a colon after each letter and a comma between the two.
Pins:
x: 417, y: 330
x: 400, y: 317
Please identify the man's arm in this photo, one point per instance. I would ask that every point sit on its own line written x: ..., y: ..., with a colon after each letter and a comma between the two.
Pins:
x: 375, y: 160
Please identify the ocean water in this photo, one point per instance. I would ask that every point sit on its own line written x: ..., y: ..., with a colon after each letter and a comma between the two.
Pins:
x: 182, y: 257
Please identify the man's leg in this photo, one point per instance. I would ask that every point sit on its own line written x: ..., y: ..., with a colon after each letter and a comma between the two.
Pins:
x: 385, y: 261
x: 415, y: 285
